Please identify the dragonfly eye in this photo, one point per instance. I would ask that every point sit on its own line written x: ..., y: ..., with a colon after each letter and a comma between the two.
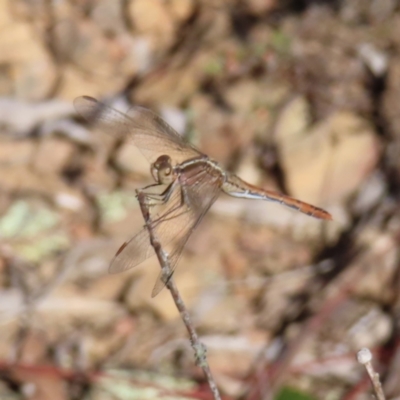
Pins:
x: 163, y: 160
x: 162, y: 170
x: 165, y: 174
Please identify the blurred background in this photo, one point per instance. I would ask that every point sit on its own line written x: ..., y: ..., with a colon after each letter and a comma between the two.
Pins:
x: 301, y: 97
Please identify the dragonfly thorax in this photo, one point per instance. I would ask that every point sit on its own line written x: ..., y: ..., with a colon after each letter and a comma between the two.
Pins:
x: 162, y: 170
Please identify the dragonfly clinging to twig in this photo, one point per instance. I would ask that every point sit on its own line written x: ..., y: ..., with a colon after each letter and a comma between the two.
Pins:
x: 189, y: 179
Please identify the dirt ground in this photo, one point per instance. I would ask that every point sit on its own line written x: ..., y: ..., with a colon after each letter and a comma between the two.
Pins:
x: 300, y: 97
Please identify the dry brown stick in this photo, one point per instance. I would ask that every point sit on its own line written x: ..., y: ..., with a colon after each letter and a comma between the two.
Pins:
x: 364, y: 357
x: 198, y: 347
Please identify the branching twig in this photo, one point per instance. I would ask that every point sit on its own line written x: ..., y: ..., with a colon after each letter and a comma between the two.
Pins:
x: 198, y: 347
x: 364, y: 357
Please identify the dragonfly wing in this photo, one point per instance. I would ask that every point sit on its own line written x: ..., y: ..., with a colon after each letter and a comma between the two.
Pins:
x: 172, y: 225
x: 149, y: 132
x: 200, y: 197
x: 132, y: 253
x: 139, y: 248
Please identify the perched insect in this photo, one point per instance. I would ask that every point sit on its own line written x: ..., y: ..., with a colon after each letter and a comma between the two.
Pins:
x: 189, y: 179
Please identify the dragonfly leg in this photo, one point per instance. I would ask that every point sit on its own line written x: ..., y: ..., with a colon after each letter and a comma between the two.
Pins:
x: 165, y: 217
x: 153, y: 199
x: 166, y: 273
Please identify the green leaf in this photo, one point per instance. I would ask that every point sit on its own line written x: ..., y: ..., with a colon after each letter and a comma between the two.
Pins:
x: 288, y: 393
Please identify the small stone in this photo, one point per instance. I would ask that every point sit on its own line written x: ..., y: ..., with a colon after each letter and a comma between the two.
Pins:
x: 376, y: 60
x: 69, y: 201
x: 151, y: 18
x: 181, y: 9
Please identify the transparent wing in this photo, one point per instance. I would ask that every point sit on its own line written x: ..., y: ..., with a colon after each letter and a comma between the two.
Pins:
x: 149, y: 132
x: 166, y: 225
x: 132, y: 253
x: 200, y: 204
x: 173, y: 226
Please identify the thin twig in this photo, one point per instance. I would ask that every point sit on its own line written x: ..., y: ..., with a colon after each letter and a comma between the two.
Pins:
x: 364, y: 357
x: 198, y: 347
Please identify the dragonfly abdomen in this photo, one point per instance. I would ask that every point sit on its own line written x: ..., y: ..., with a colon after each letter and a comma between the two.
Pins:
x: 236, y: 187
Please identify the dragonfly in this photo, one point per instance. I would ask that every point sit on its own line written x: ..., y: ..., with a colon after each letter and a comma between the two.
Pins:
x: 186, y: 183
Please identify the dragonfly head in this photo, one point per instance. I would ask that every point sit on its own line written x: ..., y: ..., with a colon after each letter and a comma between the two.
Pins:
x: 162, y: 170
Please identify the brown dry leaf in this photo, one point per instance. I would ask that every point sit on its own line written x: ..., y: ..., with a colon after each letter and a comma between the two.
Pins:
x: 328, y: 162
x: 41, y: 386
x: 151, y: 18
x: 52, y: 155
x: 31, y: 70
